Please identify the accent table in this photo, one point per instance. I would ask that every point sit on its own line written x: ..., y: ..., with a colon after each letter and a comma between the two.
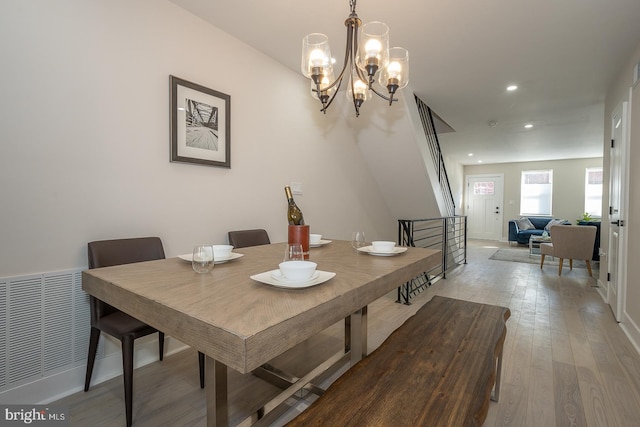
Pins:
x: 242, y: 324
x: 534, y: 244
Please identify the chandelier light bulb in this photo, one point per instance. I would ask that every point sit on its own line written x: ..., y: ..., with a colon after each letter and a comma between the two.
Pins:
x: 396, y: 74
x: 394, y: 69
x: 372, y: 49
x: 317, y: 58
x: 323, y: 92
x: 360, y: 89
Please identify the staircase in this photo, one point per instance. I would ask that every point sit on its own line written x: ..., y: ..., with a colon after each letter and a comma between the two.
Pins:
x: 426, y: 117
x: 447, y: 233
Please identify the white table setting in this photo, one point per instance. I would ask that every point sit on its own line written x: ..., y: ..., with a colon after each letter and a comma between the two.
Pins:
x: 294, y: 272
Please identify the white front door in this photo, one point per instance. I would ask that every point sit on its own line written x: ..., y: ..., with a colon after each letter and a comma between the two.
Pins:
x: 616, y: 188
x: 484, y: 196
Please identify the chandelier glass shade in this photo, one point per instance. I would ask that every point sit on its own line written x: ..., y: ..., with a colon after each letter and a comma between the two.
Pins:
x: 368, y: 62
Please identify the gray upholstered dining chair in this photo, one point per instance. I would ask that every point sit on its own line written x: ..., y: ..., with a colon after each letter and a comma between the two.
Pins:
x: 244, y: 238
x: 108, y: 319
x: 570, y: 242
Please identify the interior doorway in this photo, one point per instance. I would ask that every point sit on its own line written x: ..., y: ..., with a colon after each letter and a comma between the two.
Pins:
x: 617, y: 173
x: 619, y: 203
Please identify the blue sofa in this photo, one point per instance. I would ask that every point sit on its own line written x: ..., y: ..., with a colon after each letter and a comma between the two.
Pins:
x: 522, y: 236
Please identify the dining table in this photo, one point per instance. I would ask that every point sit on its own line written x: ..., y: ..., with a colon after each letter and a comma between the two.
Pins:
x: 242, y: 323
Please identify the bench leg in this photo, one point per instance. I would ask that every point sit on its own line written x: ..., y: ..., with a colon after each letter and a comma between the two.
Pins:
x: 496, y: 388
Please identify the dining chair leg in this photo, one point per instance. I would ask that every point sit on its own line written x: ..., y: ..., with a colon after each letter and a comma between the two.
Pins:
x: 201, y: 365
x: 91, y: 358
x: 161, y: 344
x: 560, y: 261
x: 571, y: 264
x: 127, y: 373
x: 589, y: 267
x: 542, y: 260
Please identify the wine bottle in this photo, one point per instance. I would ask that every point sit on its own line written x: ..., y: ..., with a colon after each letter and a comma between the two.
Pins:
x: 294, y: 214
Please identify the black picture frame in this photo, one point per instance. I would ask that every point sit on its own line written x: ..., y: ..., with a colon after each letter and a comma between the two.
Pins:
x: 200, y: 124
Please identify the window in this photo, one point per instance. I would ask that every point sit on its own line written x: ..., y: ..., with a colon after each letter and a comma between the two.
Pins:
x: 483, y: 188
x: 593, y: 192
x: 535, y: 192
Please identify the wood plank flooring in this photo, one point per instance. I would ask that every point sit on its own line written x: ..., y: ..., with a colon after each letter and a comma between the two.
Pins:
x: 566, y: 361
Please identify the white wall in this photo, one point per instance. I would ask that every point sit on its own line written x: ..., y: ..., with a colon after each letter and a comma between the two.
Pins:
x: 85, y: 137
x: 393, y: 142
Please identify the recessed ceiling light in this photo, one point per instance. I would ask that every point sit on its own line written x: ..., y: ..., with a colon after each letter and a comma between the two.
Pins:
x: 470, y: 154
x: 511, y: 88
x: 528, y: 126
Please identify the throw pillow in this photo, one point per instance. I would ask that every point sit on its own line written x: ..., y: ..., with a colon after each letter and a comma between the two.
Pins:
x: 555, y: 222
x: 524, y: 224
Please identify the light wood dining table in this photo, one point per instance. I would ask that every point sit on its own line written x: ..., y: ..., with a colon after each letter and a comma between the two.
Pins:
x: 242, y: 324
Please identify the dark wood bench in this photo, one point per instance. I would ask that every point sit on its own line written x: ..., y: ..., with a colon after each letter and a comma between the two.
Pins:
x: 438, y: 369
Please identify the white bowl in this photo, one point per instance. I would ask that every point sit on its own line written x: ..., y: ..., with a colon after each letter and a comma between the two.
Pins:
x: 297, y: 270
x: 315, y: 238
x: 222, y: 251
x: 383, y: 246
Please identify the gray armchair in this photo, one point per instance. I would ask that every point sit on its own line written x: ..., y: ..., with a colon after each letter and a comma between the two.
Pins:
x: 570, y: 242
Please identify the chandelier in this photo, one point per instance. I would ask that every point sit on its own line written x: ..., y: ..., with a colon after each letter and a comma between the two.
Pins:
x: 367, y: 60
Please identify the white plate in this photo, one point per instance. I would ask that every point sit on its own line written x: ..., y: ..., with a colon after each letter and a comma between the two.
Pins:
x: 320, y: 243
x: 277, y: 275
x: 232, y: 256
x: 369, y: 250
x: 268, y: 278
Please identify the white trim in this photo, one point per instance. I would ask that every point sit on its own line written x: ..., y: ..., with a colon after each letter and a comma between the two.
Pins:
x: 632, y: 331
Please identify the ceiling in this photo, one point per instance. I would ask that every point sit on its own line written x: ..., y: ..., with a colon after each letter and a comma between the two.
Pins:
x: 562, y: 54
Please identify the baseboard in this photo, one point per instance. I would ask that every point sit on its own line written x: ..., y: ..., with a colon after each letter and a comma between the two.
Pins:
x: 53, y: 387
x: 628, y: 326
x: 602, y: 289
x: 631, y: 330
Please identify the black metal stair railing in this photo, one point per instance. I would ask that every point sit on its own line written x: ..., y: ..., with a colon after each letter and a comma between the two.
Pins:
x: 448, y: 234
x: 426, y: 117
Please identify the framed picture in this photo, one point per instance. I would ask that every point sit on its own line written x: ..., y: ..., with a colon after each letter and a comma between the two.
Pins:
x: 200, y: 124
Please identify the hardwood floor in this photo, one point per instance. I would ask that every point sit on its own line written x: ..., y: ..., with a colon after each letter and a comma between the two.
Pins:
x: 566, y: 361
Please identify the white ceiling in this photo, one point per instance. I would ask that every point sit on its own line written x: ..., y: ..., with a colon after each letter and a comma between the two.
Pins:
x: 563, y: 55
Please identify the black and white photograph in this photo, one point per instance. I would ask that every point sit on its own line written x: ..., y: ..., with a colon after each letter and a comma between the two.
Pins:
x: 200, y: 124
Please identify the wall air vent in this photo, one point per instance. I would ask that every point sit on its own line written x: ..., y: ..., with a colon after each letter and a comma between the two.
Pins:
x: 44, y: 326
